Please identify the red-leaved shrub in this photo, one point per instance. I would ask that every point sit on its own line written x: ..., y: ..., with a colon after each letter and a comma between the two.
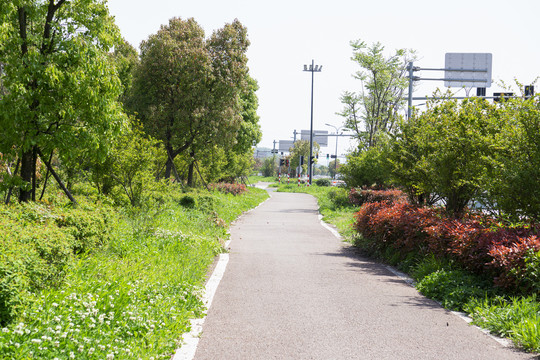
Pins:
x: 359, y: 197
x: 475, y: 242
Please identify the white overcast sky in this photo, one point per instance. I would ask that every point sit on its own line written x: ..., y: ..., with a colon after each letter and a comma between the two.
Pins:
x: 285, y: 35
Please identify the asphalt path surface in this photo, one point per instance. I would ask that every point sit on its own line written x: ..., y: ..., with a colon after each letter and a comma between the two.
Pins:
x: 292, y: 290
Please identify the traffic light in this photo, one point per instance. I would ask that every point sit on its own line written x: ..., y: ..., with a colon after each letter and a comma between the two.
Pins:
x: 301, y: 160
x: 281, y: 161
x: 287, y: 162
x: 327, y: 156
x: 312, y: 160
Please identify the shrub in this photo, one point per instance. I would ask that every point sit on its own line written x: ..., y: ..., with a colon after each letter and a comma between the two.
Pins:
x: 518, y: 263
x: 339, y: 197
x: 506, y: 254
x: 360, y: 196
x: 39, y: 243
x: 187, y: 201
x: 323, y: 182
x: 367, y: 168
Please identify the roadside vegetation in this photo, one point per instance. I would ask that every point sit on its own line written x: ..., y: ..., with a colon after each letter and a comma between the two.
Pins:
x: 99, y: 281
x: 120, y: 172
x: 449, y: 196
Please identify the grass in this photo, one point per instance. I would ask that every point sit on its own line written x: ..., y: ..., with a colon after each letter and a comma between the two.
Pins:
x: 134, y: 297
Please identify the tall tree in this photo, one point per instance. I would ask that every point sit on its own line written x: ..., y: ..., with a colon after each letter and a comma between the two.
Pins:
x: 187, y: 88
x: 60, y: 86
x: 375, y: 107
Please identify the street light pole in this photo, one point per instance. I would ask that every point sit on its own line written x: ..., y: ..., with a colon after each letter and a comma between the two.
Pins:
x: 337, y: 137
x: 313, y: 69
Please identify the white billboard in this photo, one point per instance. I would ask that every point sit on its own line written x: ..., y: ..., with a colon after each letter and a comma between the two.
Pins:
x: 467, y: 69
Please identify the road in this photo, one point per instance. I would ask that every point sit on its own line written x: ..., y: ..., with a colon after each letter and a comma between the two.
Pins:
x: 292, y: 290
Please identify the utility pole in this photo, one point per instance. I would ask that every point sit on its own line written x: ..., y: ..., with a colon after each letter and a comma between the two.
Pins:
x: 313, y: 69
x: 337, y: 137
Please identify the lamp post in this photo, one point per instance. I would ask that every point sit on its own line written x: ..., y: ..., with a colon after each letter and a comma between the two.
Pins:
x: 337, y: 137
x: 313, y: 69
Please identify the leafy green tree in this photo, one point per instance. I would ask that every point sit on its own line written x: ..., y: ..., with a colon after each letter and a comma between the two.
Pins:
x: 449, y: 150
x: 126, y: 60
x: 374, y: 109
x: 240, y: 156
x: 187, y: 88
x: 133, y: 162
x: 59, y: 85
x: 366, y: 168
x: 515, y: 184
x: 332, y: 168
x: 269, y: 166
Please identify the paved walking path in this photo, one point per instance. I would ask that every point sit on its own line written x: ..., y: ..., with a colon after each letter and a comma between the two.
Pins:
x: 292, y: 290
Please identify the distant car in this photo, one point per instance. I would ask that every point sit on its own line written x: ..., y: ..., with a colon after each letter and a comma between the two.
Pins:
x: 338, y: 183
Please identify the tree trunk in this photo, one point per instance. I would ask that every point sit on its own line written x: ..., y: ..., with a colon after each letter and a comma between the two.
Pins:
x: 190, y: 171
x: 169, y: 162
x: 27, y: 166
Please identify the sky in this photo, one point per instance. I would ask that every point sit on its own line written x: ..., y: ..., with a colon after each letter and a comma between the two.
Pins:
x: 285, y: 35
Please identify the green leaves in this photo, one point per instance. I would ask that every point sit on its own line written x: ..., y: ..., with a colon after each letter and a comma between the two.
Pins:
x: 193, y: 93
x: 60, y: 87
x: 374, y: 108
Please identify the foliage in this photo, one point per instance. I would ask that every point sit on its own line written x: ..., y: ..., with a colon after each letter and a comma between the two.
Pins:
x: 515, y: 184
x: 234, y: 189
x: 516, y: 318
x: 506, y: 255
x: 188, y: 89
x: 359, y: 197
x: 133, y: 297
x: 367, y: 168
x: 126, y: 60
x: 332, y: 169
x: 269, y: 167
x: 323, y: 182
x: 130, y: 168
x: 60, y: 86
x: 38, y: 244
x: 454, y: 288
x: 449, y: 150
x: 374, y: 109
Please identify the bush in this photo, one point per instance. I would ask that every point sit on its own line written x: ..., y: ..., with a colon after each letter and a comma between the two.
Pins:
x: 507, y: 255
x: 187, y: 201
x: 323, y: 182
x: 358, y: 197
x: 367, y: 168
x: 339, y: 197
x: 39, y: 243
